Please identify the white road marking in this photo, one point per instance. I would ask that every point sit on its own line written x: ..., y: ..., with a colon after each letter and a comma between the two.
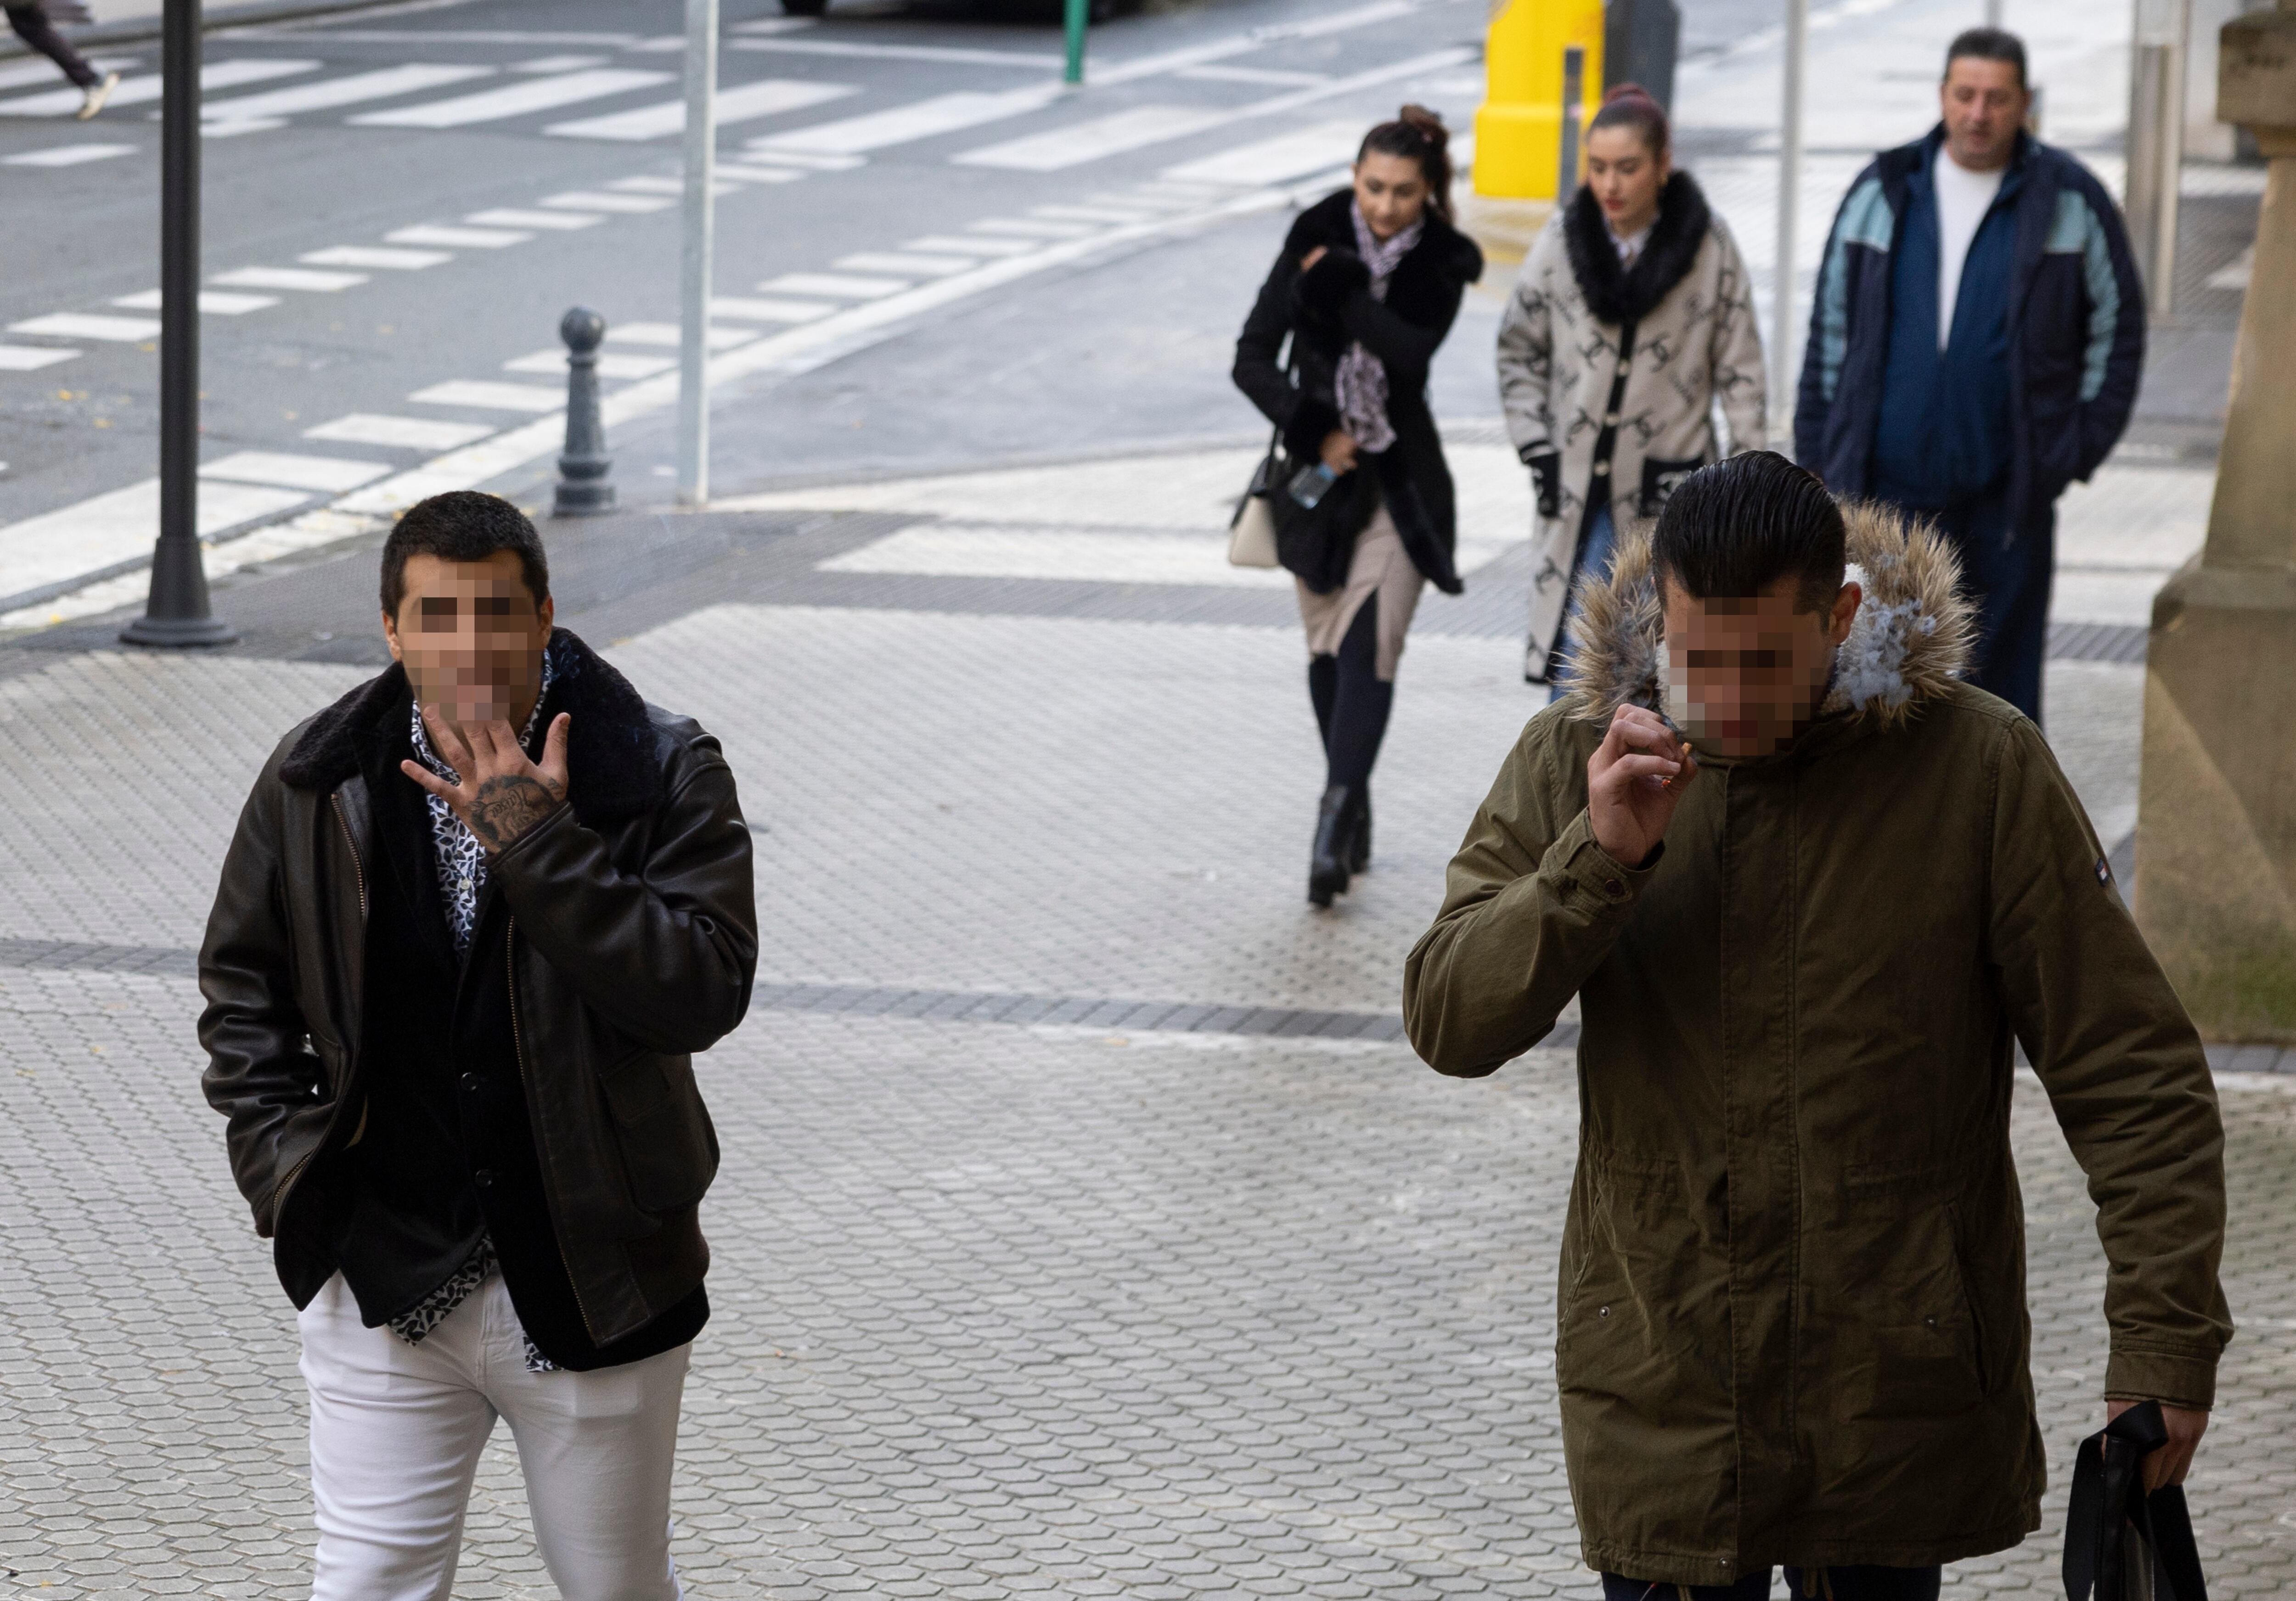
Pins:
x: 247, y: 125
x: 1104, y: 214
x: 381, y: 84
x: 760, y: 174
x: 746, y: 102
x: 1021, y: 61
x: 744, y: 310
x: 331, y: 475
x: 487, y: 396
x: 612, y: 363
x: 1294, y: 155
x: 1028, y: 229
x: 31, y: 358
x: 586, y: 200
x: 759, y: 149
x: 515, y: 100
x: 962, y: 551
x: 140, y: 91
x: 773, y: 25
x: 68, y: 155
x: 296, y: 278
x: 462, y: 239
x: 106, y: 531
x: 377, y: 256
x: 512, y: 216
x: 1216, y: 74
x: 214, y: 302
x: 971, y: 246
x: 448, y: 36
x: 894, y: 261
x: 89, y: 325
x: 654, y: 184
x: 40, y: 69
x: 941, y: 114
x: 399, y: 433
x: 837, y: 286
x: 560, y: 63
x: 1078, y: 143
x: 668, y: 336
x: 2235, y: 273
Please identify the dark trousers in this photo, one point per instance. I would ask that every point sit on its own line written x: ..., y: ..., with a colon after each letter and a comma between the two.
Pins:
x: 2006, y: 573
x: 1824, y: 1584
x: 32, y: 26
x: 1351, y: 704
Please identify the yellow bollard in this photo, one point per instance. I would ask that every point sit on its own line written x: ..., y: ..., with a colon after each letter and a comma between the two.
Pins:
x: 1519, y: 137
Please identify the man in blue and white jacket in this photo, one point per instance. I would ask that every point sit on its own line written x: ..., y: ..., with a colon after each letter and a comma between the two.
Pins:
x: 1975, y: 345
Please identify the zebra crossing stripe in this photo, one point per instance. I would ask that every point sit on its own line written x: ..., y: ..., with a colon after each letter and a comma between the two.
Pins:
x: 744, y: 102
x: 383, y: 84
x: 514, y: 100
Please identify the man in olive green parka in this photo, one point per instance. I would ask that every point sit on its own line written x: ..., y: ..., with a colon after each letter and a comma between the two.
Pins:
x: 1811, y: 889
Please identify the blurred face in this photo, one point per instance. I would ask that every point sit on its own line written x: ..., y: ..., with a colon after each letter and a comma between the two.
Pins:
x: 1390, y: 192
x: 1745, y: 676
x: 1626, y: 176
x: 471, y: 637
x: 1984, y: 105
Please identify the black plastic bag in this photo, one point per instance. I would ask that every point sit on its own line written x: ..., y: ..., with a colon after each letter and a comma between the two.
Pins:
x: 2121, y: 1544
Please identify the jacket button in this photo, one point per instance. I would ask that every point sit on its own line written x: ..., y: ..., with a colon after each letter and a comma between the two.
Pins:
x: 484, y: 1178
x: 1614, y: 886
x: 1601, y: 469
x: 1610, y: 419
x: 1602, y: 1312
x: 472, y: 1080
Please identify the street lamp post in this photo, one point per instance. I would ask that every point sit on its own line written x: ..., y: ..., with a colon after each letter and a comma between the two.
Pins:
x: 176, y: 612
x: 701, y: 233
x: 1078, y: 16
x: 1782, y: 293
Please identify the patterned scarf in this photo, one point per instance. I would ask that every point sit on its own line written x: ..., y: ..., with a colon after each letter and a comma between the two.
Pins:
x: 1362, y: 380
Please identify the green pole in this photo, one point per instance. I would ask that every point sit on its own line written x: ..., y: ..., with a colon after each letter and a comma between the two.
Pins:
x: 1077, y: 10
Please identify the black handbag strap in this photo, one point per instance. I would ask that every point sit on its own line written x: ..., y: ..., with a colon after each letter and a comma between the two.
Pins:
x: 2108, y: 1497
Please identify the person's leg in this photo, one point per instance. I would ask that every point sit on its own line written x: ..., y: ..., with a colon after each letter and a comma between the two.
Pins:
x: 396, y: 1433
x: 1864, y: 1584
x: 597, y: 1450
x: 1593, y: 567
x: 1322, y: 691
x: 1361, y: 704
x: 1618, y: 1587
x: 33, y: 27
x: 2008, y: 582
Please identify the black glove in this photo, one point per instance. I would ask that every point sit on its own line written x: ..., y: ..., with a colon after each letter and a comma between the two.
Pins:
x: 1546, y: 472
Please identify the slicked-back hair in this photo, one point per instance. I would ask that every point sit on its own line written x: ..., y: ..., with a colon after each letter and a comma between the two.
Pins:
x: 1738, y: 527
x: 463, y: 525
x: 1989, y: 44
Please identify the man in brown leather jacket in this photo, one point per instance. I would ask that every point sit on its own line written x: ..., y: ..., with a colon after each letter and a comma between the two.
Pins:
x: 476, y: 917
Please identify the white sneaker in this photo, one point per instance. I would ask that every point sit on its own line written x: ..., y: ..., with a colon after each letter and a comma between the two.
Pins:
x: 92, y: 99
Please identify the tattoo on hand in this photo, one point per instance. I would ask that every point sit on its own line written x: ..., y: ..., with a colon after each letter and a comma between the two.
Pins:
x: 507, y: 807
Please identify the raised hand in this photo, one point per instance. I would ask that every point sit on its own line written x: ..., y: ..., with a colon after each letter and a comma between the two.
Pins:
x: 502, y: 794
x: 1635, y: 779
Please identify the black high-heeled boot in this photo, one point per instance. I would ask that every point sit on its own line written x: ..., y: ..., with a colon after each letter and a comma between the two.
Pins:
x: 1327, y: 863
x: 1359, y: 847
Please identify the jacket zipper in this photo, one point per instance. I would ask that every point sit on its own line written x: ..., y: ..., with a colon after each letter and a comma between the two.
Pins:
x: 518, y: 1048
x: 278, y: 1191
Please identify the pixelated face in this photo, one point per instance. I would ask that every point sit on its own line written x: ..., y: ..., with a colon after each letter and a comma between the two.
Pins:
x: 1745, y: 675
x: 471, y: 637
x: 1984, y: 104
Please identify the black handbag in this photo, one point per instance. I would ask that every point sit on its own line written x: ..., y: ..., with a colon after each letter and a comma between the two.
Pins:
x: 1317, y: 543
x: 2121, y: 1544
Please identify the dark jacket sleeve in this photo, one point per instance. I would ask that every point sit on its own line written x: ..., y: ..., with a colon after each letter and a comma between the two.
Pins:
x: 2125, y: 1074
x: 2116, y: 307
x: 262, y: 1068
x: 1828, y: 316
x: 666, y: 955
x: 1303, y: 418
x: 1531, y: 906
x: 1337, y: 289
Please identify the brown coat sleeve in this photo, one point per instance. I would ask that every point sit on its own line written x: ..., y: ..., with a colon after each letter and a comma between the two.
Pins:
x: 2124, y: 1073
x: 1531, y: 905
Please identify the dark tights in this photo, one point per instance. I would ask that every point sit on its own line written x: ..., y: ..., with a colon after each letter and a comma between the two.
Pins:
x: 32, y: 26
x: 1351, y: 703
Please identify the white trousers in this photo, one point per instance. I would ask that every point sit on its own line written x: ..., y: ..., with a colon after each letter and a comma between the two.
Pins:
x: 396, y: 1430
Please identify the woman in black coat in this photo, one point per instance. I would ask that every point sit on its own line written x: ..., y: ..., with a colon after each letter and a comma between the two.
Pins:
x: 1366, y: 287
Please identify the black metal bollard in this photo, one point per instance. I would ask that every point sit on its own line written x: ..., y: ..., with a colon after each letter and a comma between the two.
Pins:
x: 583, y: 488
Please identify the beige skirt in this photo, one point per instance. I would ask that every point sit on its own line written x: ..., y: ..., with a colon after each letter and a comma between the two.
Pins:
x: 1380, y: 567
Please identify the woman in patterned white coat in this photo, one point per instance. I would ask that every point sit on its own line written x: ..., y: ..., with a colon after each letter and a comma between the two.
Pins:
x: 1634, y: 316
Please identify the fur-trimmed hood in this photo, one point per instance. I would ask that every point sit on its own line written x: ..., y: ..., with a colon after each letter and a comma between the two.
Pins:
x: 610, y: 745
x: 1912, y: 636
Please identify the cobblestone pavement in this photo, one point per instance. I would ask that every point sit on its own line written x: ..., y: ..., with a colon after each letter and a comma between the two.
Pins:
x: 1001, y: 1309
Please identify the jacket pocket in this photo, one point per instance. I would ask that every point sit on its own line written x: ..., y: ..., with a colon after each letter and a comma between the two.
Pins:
x: 669, y: 1149
x: 1643, y: 1319
x: 1661, y: 479
x: 1902, y: 1325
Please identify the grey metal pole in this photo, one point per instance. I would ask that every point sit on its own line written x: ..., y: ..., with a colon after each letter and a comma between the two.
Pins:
x: 1781, y: 292
x: 700, y: 231
x: 585, y: 486
x: 1993, y: 13
x: 2156, y: 144
x: 176, y: 611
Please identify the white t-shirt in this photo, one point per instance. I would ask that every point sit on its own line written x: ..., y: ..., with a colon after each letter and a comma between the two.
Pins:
x: 1963, y: 199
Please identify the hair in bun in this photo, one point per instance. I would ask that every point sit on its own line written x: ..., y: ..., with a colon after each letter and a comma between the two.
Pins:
x: 1418, y: 134
x: 1631, y: 105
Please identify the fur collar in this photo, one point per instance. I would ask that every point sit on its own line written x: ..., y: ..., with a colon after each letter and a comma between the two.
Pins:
x: 1442, y: 246
x: 1912, y: 638
x: 610, y: 753
x: 1617, y: 295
